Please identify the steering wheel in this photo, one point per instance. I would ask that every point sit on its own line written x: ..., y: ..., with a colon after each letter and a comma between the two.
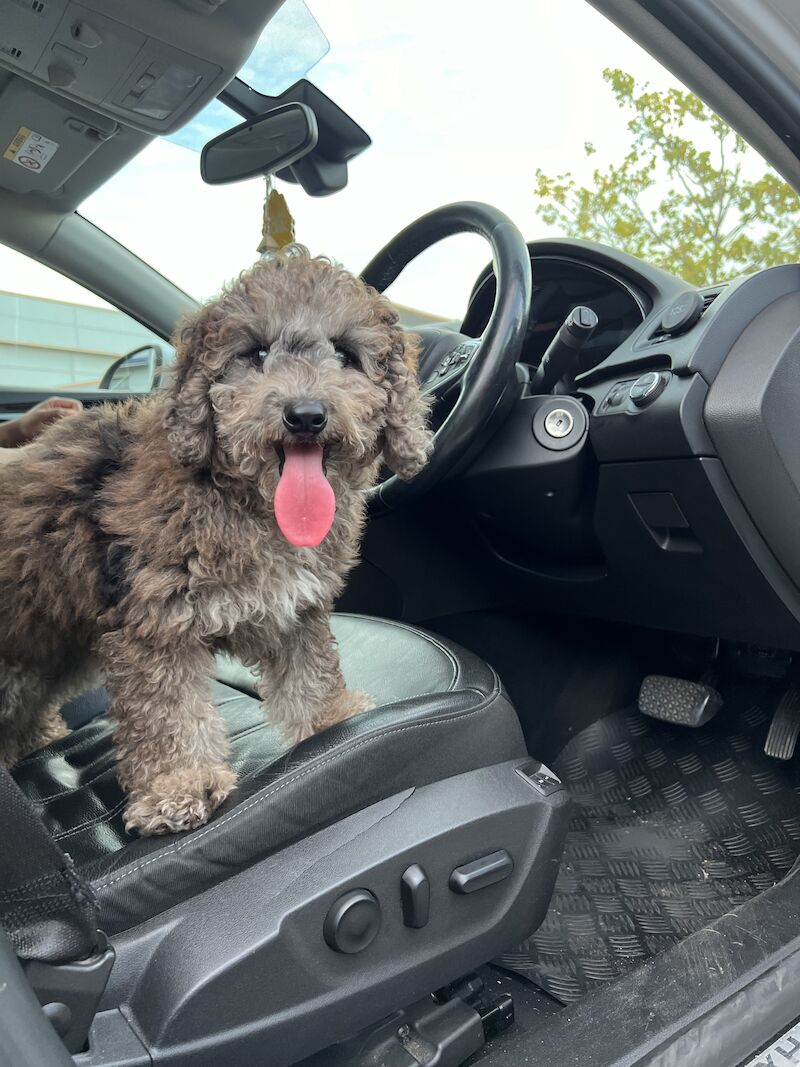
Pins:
x: 479, y: 372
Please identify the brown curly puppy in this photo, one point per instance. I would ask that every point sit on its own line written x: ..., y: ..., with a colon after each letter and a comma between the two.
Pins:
x: 147, y: 536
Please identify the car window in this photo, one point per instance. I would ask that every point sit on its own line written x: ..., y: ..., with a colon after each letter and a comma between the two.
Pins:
x: 546, y: 110
x: 56, y: 336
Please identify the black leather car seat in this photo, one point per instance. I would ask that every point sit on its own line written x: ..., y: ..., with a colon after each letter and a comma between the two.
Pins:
x: 346, y: 877
x: 439, y: 711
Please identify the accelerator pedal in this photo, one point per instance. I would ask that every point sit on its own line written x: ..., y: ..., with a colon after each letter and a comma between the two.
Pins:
x: 678, y: 701
x: 785, y: 725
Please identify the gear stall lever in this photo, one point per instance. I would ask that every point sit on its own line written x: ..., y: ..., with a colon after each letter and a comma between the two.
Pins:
x: 556, y: 372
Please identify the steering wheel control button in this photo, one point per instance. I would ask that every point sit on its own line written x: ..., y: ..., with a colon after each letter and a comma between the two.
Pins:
x: 682, y: 313
x: 464, y: 352
x: 353, y: 922
x: 645, y: 389
x: 415, y: 896
x: 458, y: 357
x: 479, y: 874
x: 559, y: 423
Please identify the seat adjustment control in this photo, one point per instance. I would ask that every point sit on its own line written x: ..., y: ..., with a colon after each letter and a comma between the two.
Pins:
x: 415, y: 896
x: 481, y: 873
x: 540, y: 777
x: 353, y: 922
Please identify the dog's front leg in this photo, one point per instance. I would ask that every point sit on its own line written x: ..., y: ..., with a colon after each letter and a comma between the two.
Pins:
x: 171, y: 742
x: 301, y: 681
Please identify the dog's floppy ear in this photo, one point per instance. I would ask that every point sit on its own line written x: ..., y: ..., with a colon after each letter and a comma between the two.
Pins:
x: 408, y: 442
x: 189, y: 419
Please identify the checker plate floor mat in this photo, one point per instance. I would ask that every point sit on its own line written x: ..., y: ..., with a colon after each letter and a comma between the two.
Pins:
x: 672, y: 828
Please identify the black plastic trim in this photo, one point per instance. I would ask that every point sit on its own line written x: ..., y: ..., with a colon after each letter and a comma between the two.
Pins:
x: 262, y: 966
x: 26, y: 1037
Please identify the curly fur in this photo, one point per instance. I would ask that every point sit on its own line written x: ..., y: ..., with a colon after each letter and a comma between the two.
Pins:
x: 143, y: 536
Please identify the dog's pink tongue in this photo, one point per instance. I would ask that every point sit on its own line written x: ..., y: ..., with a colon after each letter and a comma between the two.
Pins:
x: 304, y: 500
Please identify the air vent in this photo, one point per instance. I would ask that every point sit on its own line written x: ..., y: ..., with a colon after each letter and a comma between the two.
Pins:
x: 709, y: 296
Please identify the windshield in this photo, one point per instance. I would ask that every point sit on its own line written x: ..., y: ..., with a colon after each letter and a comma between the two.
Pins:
x: 541, y: 109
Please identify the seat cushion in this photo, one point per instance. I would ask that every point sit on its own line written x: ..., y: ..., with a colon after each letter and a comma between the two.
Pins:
x: 439, y: 711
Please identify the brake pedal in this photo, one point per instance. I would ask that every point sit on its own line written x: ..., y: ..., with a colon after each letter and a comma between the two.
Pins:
x: 678, y: 701
x: 785, y: 726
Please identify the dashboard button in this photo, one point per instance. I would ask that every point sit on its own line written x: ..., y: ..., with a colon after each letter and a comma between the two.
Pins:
x: 645, y: 389
x: 682, y: 313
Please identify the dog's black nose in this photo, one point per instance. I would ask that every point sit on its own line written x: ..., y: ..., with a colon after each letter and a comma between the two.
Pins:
x: 305, y: 416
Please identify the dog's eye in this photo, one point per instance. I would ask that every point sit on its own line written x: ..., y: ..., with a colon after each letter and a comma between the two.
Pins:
x: 345, y: 356
x: 256, y: 356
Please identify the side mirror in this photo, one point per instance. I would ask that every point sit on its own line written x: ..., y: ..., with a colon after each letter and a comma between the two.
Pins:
x: 137, y: 372
x: 262, y: 145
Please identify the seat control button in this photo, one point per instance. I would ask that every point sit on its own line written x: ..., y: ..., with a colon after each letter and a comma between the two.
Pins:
x: 481, y: 873
x: 415, y: 896
x: 540, y: 777
x: 353, y: 922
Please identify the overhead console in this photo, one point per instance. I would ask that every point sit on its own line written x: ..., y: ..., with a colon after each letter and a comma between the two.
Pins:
x: 149, y: 65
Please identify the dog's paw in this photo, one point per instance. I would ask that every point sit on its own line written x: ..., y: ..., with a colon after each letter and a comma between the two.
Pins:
x: 349, y: 703
x: 179, y: 800
x: 353, y: 702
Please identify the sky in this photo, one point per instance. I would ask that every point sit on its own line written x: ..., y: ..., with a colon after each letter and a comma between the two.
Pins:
x: 463, y: 101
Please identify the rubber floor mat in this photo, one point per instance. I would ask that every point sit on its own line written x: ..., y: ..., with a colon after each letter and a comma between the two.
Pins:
x: 673, y: 827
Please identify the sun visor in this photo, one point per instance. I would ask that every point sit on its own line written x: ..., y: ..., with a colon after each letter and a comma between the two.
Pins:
x: 44, y: 139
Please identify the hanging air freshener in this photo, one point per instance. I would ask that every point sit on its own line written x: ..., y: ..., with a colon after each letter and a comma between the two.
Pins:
x: 277, y: 229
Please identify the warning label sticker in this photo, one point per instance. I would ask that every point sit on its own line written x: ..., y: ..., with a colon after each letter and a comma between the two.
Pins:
x: 785, y: 1052
x: 30, y: 150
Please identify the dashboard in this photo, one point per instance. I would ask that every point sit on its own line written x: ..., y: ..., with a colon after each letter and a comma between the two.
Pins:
x: 560, y: 284
x: 672, y: 498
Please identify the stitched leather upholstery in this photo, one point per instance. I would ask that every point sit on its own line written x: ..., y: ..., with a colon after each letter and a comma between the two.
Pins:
x: 439, y: 711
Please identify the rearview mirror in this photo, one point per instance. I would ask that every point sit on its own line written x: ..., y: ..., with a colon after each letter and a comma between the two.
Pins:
x: 261, y: 145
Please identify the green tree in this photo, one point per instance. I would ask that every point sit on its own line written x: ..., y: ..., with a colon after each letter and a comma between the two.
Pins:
x: 714, y: 221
